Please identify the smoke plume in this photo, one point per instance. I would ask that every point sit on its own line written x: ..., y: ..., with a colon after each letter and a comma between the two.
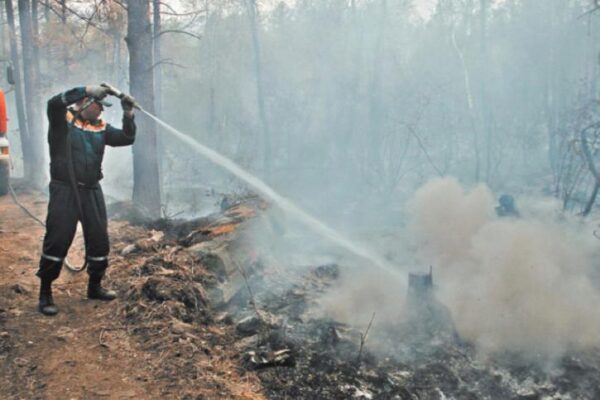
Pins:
x: 511, y: 284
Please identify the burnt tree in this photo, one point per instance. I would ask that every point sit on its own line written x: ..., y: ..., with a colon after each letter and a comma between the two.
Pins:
x: 146, y: 189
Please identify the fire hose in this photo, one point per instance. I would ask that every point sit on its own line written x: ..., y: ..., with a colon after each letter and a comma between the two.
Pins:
x: 69, y: 266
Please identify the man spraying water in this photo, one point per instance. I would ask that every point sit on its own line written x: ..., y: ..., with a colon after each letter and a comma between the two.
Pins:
x: 56, y: 247
x: 77, y: 137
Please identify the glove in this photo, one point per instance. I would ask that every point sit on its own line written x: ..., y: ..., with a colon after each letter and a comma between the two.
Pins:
x: 97, y: 92
x: 127, y: 103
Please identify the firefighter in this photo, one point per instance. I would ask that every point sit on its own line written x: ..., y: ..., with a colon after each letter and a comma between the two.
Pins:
x: 77, y: 137
x: 506, y: 207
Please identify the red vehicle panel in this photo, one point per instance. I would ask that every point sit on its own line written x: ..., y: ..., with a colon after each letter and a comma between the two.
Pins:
x: 3, y: 116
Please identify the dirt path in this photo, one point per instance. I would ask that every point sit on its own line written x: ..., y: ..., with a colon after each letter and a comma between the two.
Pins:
x: 88, y: 351
x: 64, y: 356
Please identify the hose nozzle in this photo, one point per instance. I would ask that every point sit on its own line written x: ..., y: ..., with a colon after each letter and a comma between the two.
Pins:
x: 119, y: 94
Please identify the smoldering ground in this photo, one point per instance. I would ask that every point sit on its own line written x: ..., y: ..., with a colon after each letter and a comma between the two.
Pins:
x: 511, y: 285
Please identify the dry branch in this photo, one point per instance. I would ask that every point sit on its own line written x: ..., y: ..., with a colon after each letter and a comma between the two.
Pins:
x: 178, y: 31
x: 363, y: 338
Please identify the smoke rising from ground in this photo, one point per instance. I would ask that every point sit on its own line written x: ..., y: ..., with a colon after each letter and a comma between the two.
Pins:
x: 519, y: 285
x: 511, y: 284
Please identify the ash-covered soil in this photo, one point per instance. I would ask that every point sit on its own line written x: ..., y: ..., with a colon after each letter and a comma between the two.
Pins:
x: 202, y: 315
x: 420, y: 357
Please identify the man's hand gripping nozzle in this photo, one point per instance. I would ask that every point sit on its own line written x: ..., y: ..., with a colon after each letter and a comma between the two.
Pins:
x: 123, y: 96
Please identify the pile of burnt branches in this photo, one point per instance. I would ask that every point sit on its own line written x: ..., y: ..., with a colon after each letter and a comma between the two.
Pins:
x: 165, y: 307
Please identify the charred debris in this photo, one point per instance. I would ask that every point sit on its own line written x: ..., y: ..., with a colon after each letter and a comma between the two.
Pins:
x: 199, y: 294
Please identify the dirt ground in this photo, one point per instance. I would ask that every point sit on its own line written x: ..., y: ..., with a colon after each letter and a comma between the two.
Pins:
x: 85, y: 352
x: 186, y: 326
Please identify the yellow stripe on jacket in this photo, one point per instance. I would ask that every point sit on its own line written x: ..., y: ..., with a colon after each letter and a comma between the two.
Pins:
x: 99, y: 126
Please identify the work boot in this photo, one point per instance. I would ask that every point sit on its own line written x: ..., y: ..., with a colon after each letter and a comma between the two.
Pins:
x: 46, y: 305
x: 97, y: 292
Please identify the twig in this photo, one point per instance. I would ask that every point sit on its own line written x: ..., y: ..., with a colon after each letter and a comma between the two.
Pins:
x: 120, y: 3
x: 164, y: 3
x: 363, y: 338
x: 424, y: 150
x: 252, y: 299
x: 166, y: 61
x: 84, y: 18
x: 179, y: 14
x: 263, y: 324
x: 100, y: 342
x: 179, y: 31
x: 593, y: 10
x: 90, y: 19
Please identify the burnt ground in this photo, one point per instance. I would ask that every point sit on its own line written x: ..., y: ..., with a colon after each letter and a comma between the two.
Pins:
x: 201, y: 315
x: 420, y: 357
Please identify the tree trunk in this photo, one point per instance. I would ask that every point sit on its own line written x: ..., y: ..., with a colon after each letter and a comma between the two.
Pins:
x: 260, y: 97
x: 552, y: 91
x: 156, y: 42
x: 157, y: 57
x: 215, y: 136
x: 35, y: 175
x: 470, y: 107
x: 46, y: 11
x: 65, y: 50
x: 3, y: 35
x: 589, y: 159
x: 36, y: 41
x: 483, y: 98
x: 20, y: 105
x: 146, y: 189
x: 374, y: 164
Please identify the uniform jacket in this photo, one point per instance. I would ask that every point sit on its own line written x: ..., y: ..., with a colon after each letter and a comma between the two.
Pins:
x: 87, y: 139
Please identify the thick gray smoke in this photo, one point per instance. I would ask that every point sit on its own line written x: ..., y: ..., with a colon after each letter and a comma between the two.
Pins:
x: 521, y: 285
x: 511, y: 284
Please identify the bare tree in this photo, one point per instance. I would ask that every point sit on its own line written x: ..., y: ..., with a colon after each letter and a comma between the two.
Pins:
x: 3, y: 35
x: 251, y: 8
x: 35, y: 175
x: 36, y: 40
x: 146, y: 182
x: 29, y: 165
x: 157, y: 28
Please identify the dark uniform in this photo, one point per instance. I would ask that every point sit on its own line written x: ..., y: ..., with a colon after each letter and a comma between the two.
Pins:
x: 507, y: 207
x: 87, y: 142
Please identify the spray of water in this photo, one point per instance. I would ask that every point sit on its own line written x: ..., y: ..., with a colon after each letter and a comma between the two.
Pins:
x: 284, y: 204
